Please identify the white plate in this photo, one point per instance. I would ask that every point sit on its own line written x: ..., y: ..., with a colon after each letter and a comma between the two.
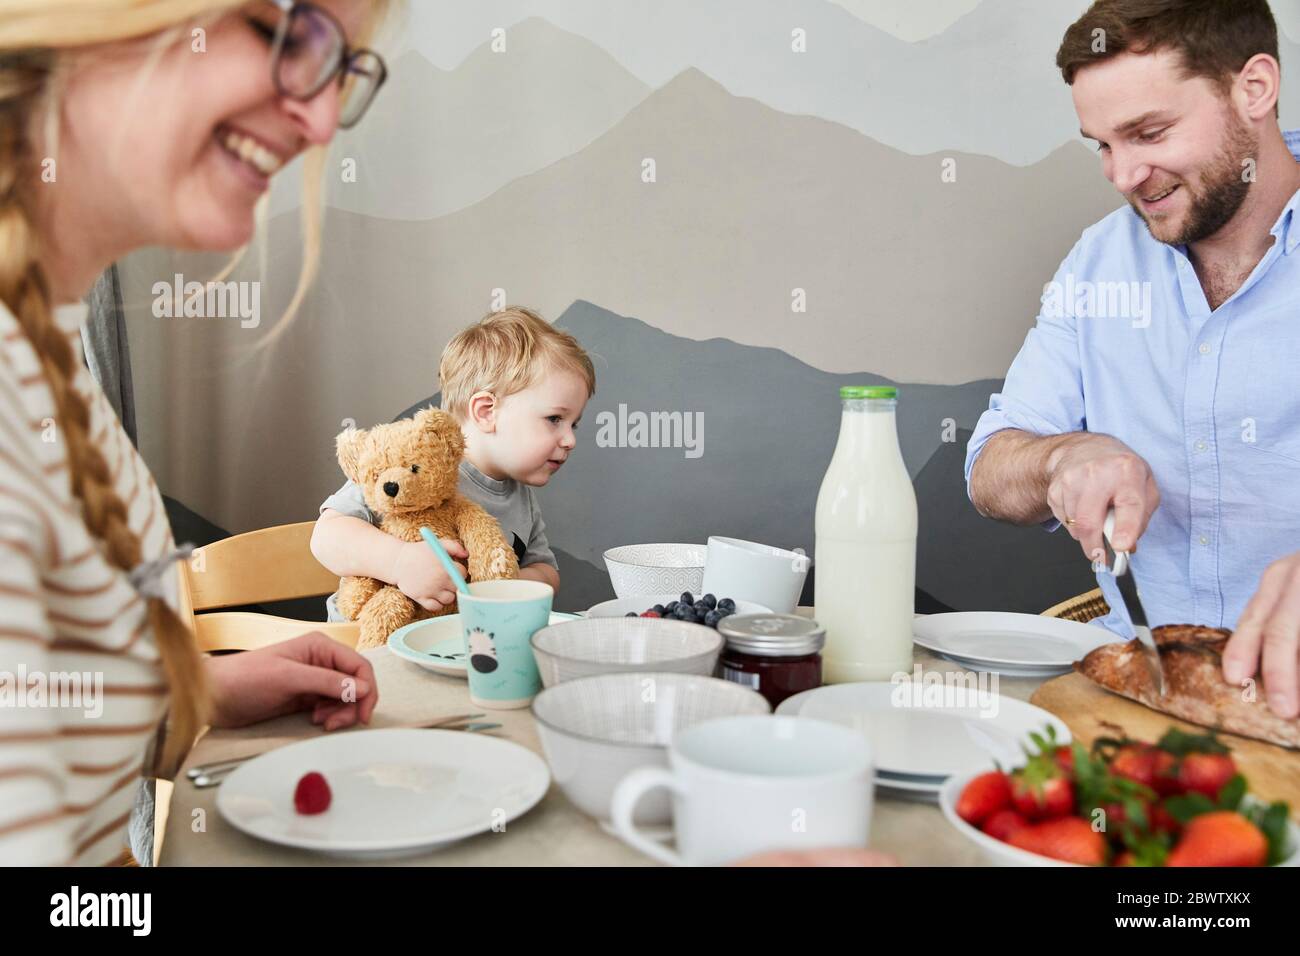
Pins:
x: 1007, y: 670
x: 920, y: 741
x: 437, y: 645
x: 997, y: 638
x: 395, y: 792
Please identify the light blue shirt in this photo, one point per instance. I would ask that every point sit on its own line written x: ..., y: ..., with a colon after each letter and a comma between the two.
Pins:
x: 1211, y: 400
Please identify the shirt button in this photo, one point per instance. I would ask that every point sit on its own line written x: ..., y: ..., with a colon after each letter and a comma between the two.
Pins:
x: 1204, y: 540
x: 1201, y: 446
x: 1205, y: 348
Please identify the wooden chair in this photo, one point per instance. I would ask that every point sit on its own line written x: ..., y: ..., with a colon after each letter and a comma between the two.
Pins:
x: 270, y: 564
x: 1082, y: 608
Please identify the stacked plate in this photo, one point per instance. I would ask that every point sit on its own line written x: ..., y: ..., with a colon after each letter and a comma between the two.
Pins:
x: 1017, y: 645
x: 919, y: 740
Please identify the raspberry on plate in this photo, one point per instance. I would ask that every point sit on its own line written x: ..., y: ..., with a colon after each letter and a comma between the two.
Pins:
x: 312, y: 795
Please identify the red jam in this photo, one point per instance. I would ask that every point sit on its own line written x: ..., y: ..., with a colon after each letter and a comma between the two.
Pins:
x: 778, y: 655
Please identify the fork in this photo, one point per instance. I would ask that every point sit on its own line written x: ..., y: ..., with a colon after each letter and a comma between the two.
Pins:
x: 440, y: 723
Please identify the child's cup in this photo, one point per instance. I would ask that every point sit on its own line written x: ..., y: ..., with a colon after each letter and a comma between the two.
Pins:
x: 498, y: 619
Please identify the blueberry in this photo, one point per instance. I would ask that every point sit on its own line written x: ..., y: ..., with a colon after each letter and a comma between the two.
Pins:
x: 701, y: 608
x: 659, y: 609
x: 687, y: 598
x: 712, y: 618
x: 671, y: 606
x: 727, y: 604
x: 684, y: 613
x: 726, y: 612
x: 710, y: 600
x: 631, y: 614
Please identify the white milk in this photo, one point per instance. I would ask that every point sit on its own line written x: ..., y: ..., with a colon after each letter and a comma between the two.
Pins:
x: 865, y: 557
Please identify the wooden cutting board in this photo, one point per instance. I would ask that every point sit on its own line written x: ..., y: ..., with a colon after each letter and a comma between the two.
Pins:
x: 1272, y: 772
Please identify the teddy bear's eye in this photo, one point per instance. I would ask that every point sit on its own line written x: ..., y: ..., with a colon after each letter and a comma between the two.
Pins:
x: 415, y: 469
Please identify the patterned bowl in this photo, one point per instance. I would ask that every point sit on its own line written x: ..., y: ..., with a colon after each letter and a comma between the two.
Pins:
x: 597, y: 730
x: 636, y: 569
x: 614, y: 645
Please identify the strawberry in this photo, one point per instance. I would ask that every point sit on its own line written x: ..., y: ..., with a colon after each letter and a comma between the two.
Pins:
x: 1071, y: 839
x: 1040, y: 792
x: 984, y: 796
x: 312, y: 795
x: 1205, y: 773
x: 1064, y: 756
x: 1003, y: 824
x: 1150, y: 766
x: 1220, y: 838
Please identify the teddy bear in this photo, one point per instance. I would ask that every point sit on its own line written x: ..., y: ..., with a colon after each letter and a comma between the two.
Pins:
x: 408, y: 473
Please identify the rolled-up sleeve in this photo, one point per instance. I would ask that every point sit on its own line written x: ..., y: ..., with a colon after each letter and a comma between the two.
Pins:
x: 1043, y: 391
x: 349, y: 501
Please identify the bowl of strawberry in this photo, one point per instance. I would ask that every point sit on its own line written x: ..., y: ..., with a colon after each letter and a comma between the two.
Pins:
x: 1177, y: 802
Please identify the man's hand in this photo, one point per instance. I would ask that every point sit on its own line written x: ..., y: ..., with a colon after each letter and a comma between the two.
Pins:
x: 1091, y: 474
x: 309, y: 672
x: 1271, y: 625
x: 418, y: 574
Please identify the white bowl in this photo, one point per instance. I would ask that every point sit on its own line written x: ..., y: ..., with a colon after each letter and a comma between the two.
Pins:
x: 994, y: 852
x: 656, y: 568
x: 613, y: 645
x: 619, y: 607
x: 597, y: 730
x: 747, y: 570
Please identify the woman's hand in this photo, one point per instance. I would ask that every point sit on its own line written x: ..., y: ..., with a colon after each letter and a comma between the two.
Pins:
x: 310, y: 672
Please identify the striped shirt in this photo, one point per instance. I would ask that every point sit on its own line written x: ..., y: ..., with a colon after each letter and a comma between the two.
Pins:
x: 81, y: 686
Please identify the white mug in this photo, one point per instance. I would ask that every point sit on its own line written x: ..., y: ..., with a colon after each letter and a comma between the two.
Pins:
x: 749, y: 571
x: 746, y: 785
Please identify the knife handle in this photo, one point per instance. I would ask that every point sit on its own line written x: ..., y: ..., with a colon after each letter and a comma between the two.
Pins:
x: 1120, y: 564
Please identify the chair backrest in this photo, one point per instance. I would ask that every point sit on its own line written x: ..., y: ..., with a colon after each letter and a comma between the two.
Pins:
x: 270, y: 564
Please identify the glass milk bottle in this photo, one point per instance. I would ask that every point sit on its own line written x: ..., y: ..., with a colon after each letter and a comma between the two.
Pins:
x: 866, y: 544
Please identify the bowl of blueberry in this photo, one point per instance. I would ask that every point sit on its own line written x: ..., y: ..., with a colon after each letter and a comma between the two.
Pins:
x: 706, y: 609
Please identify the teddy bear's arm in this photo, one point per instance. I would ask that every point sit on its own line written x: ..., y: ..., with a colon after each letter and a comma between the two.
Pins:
x: 490, y: 555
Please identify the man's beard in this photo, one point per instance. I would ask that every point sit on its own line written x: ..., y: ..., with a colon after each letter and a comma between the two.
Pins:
x: 1222, y: 191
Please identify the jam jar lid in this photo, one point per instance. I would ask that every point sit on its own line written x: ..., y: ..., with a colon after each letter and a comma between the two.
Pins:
x: 772, y: 635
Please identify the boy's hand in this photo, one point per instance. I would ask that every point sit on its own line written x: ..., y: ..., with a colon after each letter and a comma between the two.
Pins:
x: 417, y: 573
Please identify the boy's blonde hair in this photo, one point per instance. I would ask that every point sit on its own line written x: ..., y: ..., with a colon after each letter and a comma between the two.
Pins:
x: 504, y: 353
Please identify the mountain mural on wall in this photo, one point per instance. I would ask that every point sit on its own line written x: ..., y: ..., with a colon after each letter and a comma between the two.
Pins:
x: 987, y: 84
x: 436, y: 141
x: 749, y: 205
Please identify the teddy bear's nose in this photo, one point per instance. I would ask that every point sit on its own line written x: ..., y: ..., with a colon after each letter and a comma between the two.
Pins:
x: 391, y: 489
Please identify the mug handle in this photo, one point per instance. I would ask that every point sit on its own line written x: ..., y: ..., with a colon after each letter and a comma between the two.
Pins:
x: 627, y: 795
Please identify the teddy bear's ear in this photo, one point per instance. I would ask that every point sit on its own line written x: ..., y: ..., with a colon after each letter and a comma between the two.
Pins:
x: 349, y: 444
x: 443, y: 428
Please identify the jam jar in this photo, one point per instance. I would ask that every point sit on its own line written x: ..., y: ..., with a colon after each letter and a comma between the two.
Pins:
x: 778, y: 655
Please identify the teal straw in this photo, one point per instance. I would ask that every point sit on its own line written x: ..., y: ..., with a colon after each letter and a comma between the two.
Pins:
x: 432, y: 541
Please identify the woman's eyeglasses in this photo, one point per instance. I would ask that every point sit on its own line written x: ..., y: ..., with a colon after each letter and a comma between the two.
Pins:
x: 309, y: 50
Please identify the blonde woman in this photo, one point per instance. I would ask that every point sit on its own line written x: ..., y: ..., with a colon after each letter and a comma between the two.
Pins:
x: 122, y: 127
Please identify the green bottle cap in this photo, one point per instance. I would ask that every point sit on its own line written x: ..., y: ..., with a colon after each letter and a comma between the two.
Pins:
x: 868, y: 391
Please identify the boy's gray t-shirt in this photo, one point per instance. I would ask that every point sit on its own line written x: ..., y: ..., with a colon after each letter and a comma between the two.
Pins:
x: 513, y: 505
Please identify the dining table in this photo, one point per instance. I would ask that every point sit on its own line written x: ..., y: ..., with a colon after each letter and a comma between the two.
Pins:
x: 553, y: 833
